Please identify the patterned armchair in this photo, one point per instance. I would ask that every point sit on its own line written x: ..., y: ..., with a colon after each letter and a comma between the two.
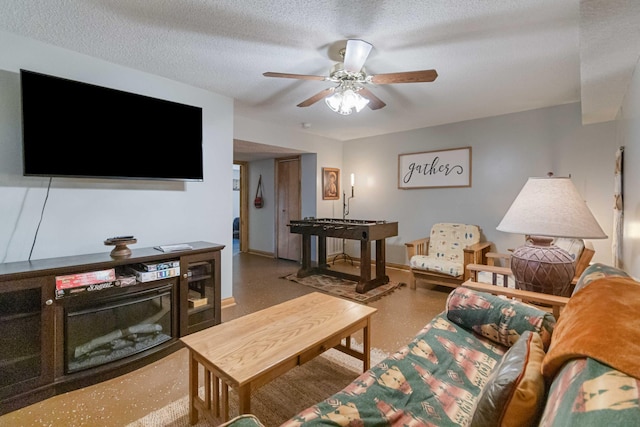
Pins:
x: 442, y: 258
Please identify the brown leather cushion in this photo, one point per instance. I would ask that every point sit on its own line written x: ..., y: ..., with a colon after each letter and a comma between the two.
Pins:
x: 514, y: 394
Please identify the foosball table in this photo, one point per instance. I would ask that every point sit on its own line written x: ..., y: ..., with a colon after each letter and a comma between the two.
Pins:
x: 354, y: 229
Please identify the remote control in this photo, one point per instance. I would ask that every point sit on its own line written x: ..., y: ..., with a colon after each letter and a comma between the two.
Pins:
x: 173, y: 248
x: 120, y: 238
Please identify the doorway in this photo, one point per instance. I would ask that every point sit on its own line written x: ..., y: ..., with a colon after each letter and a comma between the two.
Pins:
x: 288, y: 207
x: 241, y: 205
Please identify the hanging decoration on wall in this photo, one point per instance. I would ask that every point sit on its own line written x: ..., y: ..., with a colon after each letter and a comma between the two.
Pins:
x: 259, y: 200
x: 330, y: 184
x: 435, y: 169
x: 618, y: 211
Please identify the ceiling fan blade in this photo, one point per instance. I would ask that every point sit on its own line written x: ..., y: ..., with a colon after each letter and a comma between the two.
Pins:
x: 405, y: 77
x: 375, y: 103
x: 317, y: 97
x: 355, y: 55
x: 294, y: 76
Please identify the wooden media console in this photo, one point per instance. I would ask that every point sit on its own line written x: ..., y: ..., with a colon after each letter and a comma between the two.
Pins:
x: 60, y: 334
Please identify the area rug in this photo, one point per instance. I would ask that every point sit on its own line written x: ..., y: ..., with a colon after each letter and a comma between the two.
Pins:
x: 282, y: 398
x: 344, y: 288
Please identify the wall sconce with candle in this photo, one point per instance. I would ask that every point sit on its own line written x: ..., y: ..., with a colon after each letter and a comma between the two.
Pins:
x: 345, y: 212
x: 345, y: 201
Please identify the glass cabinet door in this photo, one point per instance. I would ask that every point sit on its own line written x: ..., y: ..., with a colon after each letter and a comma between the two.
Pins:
x: 198, y: 292
x: 26, y: 319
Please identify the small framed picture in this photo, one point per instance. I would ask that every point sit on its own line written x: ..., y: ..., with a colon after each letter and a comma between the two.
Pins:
x: 330, y: 184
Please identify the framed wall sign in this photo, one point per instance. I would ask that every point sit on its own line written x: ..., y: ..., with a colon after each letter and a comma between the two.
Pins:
x: 330, y: 184
x: 435, y: 169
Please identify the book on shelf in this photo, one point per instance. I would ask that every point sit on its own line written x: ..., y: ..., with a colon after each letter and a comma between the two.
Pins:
x: 126, y: 280
x: 85, y: 279
x: 174, y: 248
x: 148, y: 276
x: 145, y: 266
x: 196, y: 300
x: 66, y: 292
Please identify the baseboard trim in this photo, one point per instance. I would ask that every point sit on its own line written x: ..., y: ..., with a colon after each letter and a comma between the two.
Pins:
x: 373, y: 262
x: 398, y: 266
x: 227, y: 302
x: 262, y: 253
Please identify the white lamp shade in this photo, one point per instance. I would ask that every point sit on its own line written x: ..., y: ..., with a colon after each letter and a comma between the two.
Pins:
x: 334, y: 101
x: 344, y: 101
x: 551, y: 207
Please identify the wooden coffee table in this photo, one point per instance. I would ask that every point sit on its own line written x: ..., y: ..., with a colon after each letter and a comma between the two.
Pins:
x: 247, y: 352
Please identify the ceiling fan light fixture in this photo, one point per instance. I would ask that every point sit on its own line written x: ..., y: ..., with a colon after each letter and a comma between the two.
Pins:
x: 334, y: 101
x: 351, y: 79
x: 358, y: 101
x: 345, y: 100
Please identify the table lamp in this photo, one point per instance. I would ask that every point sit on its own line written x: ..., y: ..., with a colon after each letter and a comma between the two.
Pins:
x: 547, y: 208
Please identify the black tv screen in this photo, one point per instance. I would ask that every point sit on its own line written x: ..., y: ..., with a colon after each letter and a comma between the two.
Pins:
x: 75, y: 129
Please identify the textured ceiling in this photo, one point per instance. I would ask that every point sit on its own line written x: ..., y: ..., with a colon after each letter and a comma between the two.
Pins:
x: 609, y: 50
x: 493, y: 56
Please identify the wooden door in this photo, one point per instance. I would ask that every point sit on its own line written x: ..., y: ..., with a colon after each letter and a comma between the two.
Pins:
x: 288, y: 245
x: 244, y: 205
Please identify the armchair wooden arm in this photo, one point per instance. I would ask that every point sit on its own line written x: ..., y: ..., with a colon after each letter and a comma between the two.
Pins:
x: 495, y: 271
x: 494, y: 257
x: 584, y: 260
x: 475, y: 254
x: 556, y: 302
x: 417, y: 247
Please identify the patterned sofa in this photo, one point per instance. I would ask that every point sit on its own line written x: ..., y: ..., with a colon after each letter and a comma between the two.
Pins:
x: 490, y: 361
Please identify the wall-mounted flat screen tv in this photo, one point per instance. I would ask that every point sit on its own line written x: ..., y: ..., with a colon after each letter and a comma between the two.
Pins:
x: 75, y: 129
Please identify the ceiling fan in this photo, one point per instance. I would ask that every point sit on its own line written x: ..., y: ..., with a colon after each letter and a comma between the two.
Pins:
x: 351, y: 78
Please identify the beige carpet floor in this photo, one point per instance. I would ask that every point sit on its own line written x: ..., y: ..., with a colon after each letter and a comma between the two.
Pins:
x: 282, y: 398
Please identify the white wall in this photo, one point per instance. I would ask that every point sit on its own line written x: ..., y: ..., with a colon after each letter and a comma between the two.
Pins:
x: 629, y: 137
x: 506, y: 150
x: 81, y: 213
x: 322, y: 152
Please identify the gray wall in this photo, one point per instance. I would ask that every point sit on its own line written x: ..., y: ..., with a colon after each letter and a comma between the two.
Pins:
x: 262, y: 231
x: 262, y: 220
x: 506, y: 150
x: 629, y: 137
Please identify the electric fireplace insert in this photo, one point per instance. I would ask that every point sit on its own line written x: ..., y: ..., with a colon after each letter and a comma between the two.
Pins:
x: 101, y: 331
